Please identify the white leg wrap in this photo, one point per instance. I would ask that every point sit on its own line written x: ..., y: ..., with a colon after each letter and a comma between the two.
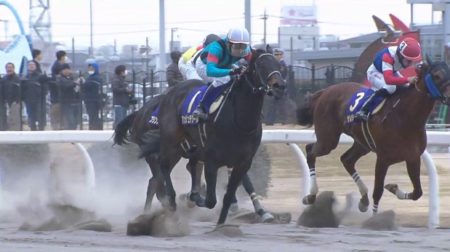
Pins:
x: 255, y: 201
x: 375, y: 209
x: 401, y: 194
x: 361, y: 186
x: 314, y: 189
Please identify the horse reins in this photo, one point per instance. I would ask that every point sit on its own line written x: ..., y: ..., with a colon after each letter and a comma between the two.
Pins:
x: 265, y: 87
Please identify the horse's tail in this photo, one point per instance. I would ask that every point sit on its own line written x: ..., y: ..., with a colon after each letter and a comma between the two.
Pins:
x: 121, y: 130
x: 305, y: 112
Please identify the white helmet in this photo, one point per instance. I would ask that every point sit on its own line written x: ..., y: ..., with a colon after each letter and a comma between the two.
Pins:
x: 238, y: 35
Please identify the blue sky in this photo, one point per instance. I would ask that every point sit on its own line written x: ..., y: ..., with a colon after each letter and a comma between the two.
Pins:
x: 131, y: 21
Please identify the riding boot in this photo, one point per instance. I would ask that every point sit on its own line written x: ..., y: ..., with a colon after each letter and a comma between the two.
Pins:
x: 363, y: 113
x: 200, y: 112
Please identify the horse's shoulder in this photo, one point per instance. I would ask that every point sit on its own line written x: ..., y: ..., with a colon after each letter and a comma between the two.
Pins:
x: 402, y: 90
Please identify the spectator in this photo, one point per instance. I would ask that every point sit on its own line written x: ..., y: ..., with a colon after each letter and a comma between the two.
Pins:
x: 121, y: 94
x: 329, y: 75
x: 34, y: 91
x: 91, y: 94
x: 3, y: 122
x: 61, y: 57
x: 55, y: 106
x: 37, y: 57
x: 11, y: 89
x: 173, y: 74
x: 69, y: 97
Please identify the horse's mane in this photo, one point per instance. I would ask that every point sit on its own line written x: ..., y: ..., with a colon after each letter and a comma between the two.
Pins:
x: 256, y: 53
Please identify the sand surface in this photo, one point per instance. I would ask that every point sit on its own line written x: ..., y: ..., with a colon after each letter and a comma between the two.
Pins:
x: 119, y: 198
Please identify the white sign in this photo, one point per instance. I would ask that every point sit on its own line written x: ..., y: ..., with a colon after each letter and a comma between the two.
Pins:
x: 298, y: 15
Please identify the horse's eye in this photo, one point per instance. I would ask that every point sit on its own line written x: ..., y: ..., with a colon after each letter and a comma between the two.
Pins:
x: 437, y: 78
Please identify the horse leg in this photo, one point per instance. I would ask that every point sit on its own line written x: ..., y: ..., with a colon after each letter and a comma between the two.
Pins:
x: 380, y: 174
x: 195, y: 168
x: 349, y: 159
x: 237, y: 174
x: 211, y: 181
x: 234, y: 203
x: 155, y: 183
x: 314, y: 150
x: 166, y: 165
x: 413, y: 167
x: 248, y: 186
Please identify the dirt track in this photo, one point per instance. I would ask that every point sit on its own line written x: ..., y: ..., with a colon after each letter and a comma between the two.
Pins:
x: 121, y: 200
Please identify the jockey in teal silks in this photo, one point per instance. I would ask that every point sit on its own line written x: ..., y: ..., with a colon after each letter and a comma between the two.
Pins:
x: 219, y: 61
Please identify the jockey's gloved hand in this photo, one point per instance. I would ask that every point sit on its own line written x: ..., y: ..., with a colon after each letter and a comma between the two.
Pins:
x: 238, y: 70
x: 412, y: 80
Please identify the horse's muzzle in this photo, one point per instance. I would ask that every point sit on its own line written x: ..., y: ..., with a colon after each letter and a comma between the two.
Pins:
x: 278, y: 87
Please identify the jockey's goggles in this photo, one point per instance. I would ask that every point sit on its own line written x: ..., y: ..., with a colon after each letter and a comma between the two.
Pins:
x: 238, y: 46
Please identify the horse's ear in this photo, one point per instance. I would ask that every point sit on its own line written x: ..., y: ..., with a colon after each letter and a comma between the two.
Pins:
x: 269, y: 49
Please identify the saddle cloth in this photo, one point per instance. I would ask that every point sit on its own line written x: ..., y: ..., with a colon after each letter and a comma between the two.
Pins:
x: 193, y: 99
x: 358, y: 99
x: 191, y: 102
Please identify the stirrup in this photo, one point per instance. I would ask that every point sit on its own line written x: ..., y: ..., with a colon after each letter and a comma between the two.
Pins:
x: 362, y: 116
x: 200, y: 113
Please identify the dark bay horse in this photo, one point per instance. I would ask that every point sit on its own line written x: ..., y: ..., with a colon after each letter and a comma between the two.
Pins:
x: 137, y: 129
x: 396, y: 133
x: 230, y: 136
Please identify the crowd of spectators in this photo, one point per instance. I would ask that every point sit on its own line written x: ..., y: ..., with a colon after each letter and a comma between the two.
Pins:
x: 27, y: 101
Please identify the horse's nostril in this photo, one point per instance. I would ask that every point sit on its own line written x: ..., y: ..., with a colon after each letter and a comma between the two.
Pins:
x: 279, y: 86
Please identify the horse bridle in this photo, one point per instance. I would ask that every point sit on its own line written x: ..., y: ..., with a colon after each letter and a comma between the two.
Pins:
x: 433, y: 89
x: 264, y: 87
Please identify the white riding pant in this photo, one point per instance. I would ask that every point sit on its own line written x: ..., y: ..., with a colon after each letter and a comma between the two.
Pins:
x: 215, y: 81
x: 188, y: 70
x: 378, y: 82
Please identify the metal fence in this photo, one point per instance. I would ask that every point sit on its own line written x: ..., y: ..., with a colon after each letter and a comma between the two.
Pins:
x: 147, y: 84
x: 302, y: 80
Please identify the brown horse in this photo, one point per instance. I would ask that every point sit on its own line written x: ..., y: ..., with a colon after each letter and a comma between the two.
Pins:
x: 395, y: 133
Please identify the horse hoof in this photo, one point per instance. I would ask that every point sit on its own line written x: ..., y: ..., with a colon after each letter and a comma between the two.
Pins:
x: 363, y: 204
x: 234, y: 207
x: 267, y: 217
x: 196, y: 200
x: 362, y: 207
x: 210, y: 204
x: 309, y: 199
x: 391, y: 188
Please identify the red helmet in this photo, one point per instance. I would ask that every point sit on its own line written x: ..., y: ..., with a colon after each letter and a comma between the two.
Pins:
x: 409, y: 48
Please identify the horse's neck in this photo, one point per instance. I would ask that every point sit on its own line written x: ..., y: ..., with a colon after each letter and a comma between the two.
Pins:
x: 419, y: 106
x: 247, y: 108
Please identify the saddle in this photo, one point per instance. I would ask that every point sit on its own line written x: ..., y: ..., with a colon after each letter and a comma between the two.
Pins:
x: 358, y: 99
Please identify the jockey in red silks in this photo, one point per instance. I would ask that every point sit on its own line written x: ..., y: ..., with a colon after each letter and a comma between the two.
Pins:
x: 219, y: 61
x: 384, y: 73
